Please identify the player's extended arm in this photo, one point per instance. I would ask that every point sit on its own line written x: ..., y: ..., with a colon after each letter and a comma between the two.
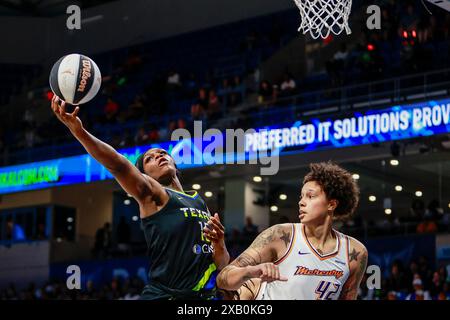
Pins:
x: 255, y: 262
x: 358, y: 262
x: 128, y: 176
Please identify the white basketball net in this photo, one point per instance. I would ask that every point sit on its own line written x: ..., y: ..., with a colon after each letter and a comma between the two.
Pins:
x: 320, y: 17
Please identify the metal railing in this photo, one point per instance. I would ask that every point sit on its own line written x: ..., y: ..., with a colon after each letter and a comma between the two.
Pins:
x: 362, y: 96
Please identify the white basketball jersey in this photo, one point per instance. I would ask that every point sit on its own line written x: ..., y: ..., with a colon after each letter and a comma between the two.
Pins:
x: 311, y: 276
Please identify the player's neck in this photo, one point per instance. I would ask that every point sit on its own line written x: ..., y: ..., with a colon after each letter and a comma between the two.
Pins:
x: 175, y: 185
x: 319, y: 234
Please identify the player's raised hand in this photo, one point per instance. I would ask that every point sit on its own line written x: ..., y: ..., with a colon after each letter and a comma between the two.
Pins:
x: 214, y: 230
x: 267, y: 272
x: 71, y: 120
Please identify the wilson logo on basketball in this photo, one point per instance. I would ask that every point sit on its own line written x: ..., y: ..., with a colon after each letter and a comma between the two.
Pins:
x: 304, y: 271
x: 86, y: 74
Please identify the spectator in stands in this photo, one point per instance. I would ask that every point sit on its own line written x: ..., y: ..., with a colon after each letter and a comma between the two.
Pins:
x: 254, y: 81
x: 417, y: 210
x: 181, y: 123
x: 235, y: 241
x: 173, y: 80
x: 30, y: 137
x: 425, y: 272
x: 436, y: 285
x: 426, y: 29
x: 265, y: 94
x: 191, y: 86
x: 132, y: 293
x: 237, y: 82
x: 250, y: 231
x: 225, y: 90
x: 197, y: 114
x: 419, y: 292
x: 427, y: 226
x: 126, y: 140
x: 445, y: 292
x: 103, y: 241
x: 397, y: 280
x: 392, y: 295
x: 171, y: 127
x: 202, y: 99
x: 14, y: 231
x: 141, y: 137
x: 389, y: 24
x: 111, y: 110
x: 233, y: 100
x: 200, y: 108
x: 412, y: 270
x: 90, y: 291
x: 114, y: 141
x: 10, y: 293
x: 434, y: 210
x: 288, y: 86
x: 28, y: 117
x: 153, y: 134
x: 135, y: 109
x: 237, y: 94
x: 214, y: 109
x: 443, y: 275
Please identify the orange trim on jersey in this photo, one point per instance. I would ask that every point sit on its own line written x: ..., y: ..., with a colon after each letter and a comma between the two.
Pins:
x: 288, y: 252
x: 318, y: 255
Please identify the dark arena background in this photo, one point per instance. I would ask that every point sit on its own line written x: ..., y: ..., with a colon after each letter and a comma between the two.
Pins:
x: 375, y: 101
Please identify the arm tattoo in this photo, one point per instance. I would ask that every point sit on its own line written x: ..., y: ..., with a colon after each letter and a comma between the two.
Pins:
x: 250, y: 257
x: 363, y: 264
x: 223, y: 276
x: 346, y: 291
x: 286, y: 237
x: 243, y: 260
x: 354, y: 255
x: 264, y: 238
x: 246, y: 260
x: 350, y: 289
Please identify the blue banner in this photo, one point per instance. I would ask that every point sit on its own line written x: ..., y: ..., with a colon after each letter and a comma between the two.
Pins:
x: 214, y: 147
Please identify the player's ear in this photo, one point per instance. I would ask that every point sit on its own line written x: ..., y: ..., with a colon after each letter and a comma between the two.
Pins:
x: 332, y: 204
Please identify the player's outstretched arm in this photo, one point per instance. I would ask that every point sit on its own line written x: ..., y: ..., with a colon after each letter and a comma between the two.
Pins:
x: 358, y: 262
x: 128, y: 176
x: 256, y: 261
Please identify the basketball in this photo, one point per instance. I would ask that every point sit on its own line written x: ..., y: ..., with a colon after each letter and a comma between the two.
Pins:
x: 75, y: 78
